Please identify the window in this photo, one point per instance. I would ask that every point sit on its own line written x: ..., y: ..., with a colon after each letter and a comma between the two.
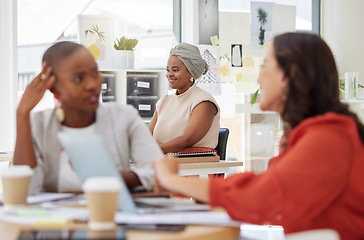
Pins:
x: 306, y: 10
x: 254, y: 135
x: 43, y: 22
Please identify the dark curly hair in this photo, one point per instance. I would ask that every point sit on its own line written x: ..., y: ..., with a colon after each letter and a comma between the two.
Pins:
x: 313, y: 90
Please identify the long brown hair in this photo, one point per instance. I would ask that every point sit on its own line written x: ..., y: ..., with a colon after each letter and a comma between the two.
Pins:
x: 313, y: 89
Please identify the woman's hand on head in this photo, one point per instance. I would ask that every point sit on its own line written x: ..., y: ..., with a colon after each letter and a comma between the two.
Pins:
x: 35, y: 90
x: 165, y: 168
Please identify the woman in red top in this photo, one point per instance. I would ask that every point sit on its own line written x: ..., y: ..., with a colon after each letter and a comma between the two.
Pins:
x: 317, y: 179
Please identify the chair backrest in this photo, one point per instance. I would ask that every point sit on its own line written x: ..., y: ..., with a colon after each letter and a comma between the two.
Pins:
x: 222, y: 143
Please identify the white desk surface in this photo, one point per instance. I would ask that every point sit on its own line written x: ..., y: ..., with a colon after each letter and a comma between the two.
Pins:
x: 261, y: 232
x: 6, y: 156
x: 203, y: 169
x: 221, y: 163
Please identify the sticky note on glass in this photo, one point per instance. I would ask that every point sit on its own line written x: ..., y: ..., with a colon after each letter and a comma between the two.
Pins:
x: 239, y: 77
x: 214, y: 40
x: 266, y: 45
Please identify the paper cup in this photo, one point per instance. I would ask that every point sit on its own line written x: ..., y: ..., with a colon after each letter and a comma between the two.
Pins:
x: 102, y: 234
x: 102, y: 200
x: 16, y: 181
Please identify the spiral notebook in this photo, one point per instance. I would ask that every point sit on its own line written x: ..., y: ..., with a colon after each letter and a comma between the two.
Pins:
x: 194, y: 154
x: 196, y: 157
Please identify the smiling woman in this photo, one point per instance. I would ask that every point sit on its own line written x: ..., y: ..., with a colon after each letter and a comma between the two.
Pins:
x: 188, y: 120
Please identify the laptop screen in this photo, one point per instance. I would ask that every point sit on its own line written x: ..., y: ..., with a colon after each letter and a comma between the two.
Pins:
x: 90, y: 158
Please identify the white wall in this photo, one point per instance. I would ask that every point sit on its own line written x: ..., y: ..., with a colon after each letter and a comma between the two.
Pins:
x: 189, y: 22
x: 342, y: 28
x: 8, y: 73
x: 284, y: 19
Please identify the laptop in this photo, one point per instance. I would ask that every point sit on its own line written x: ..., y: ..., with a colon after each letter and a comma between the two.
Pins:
x: 90, y: 158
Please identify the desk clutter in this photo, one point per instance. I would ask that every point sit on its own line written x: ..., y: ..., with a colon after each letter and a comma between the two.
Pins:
x: 58, y: 209
x: 63, y: 211
x: 118, y: 233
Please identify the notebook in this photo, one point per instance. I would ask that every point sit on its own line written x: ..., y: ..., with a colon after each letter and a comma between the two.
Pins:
x: 196, y: 157
x: 194, y: 154
x: 90, y: 158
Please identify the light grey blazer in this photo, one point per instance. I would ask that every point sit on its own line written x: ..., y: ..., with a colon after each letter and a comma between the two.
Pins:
x: 121, y: 128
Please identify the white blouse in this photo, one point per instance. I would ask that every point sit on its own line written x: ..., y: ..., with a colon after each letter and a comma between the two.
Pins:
x: 68, y: 180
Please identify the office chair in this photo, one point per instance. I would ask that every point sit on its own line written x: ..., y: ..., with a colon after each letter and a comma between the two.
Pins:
x: 222, y: 143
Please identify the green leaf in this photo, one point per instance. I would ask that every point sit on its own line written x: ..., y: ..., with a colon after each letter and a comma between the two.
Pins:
x: 125, y: 43
x: 226, y: 57
x: 101, y: 36
x: 254, y: 98
x: 95, y: 30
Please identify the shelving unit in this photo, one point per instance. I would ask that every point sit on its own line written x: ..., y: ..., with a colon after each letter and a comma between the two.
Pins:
x: 140, y: 88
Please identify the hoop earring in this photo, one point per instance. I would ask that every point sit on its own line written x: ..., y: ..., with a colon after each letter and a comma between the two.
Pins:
x: 191, y: 79
x: 59, y: 113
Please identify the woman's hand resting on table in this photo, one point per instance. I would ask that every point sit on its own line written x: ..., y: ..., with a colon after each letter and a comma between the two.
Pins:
x: 167, y: 178
x: 166, y: 168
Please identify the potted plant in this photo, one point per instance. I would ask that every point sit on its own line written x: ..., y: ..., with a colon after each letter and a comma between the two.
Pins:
x: 262, y: 17
x: 123, y: 57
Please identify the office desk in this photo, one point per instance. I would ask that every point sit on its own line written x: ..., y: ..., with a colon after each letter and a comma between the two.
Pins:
x: 203, y: 169
x: 6, y: 156
x: 10, y: 231
x: 185, y: 169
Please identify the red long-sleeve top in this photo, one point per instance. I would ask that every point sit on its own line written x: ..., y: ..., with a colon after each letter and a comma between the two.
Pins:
x: 318, y: 182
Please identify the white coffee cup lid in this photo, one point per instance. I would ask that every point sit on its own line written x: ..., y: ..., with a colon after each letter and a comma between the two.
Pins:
x: 101, y: 184
x: 15, y: 171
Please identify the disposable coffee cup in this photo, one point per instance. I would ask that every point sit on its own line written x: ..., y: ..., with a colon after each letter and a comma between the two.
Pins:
x: 102, y: 200
x: 16, y: 181
x: 102, y: 234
